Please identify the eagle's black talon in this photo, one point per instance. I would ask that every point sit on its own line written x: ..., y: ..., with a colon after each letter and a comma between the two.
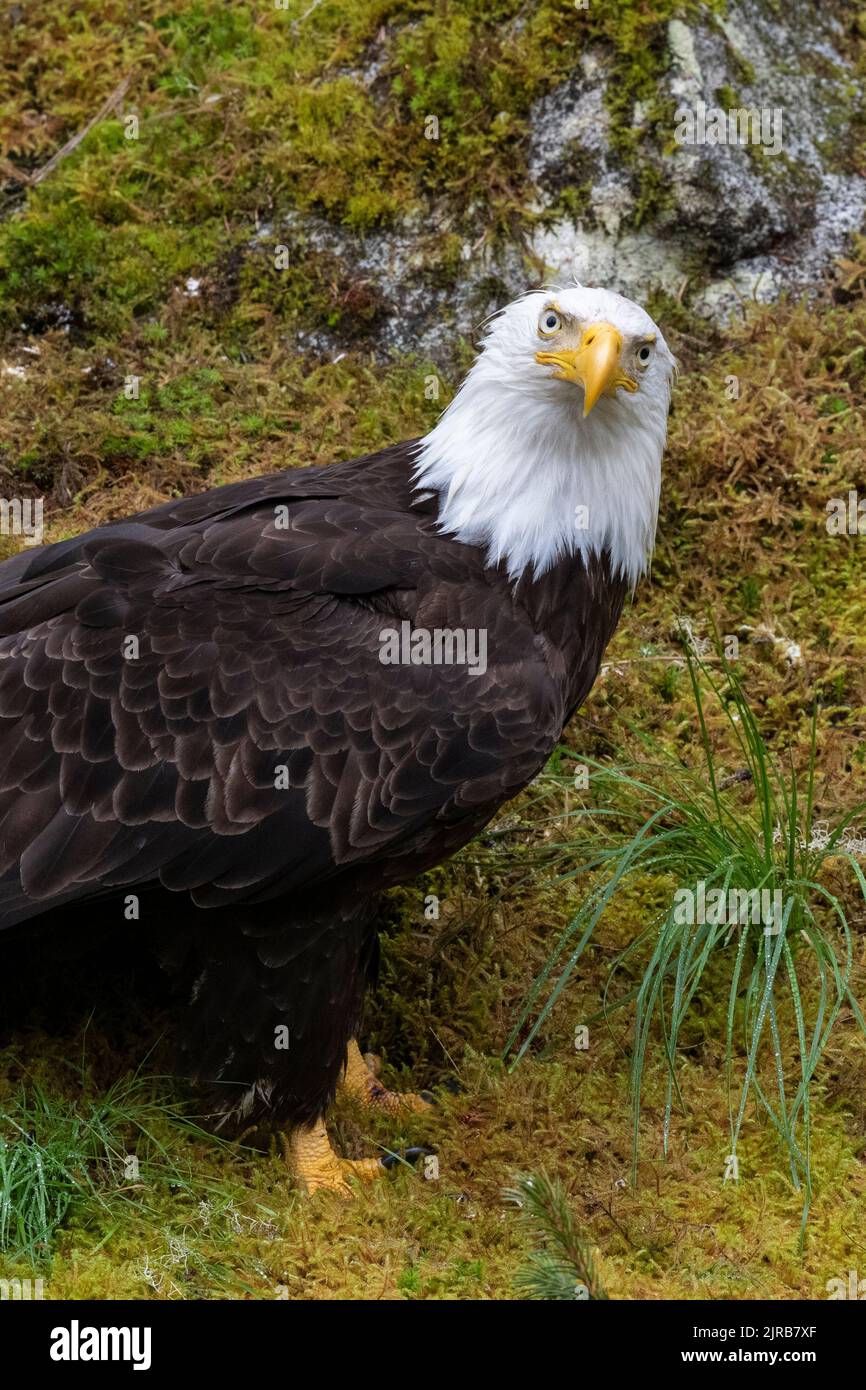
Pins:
x: 417, y: 1153
x: 413, y: 1156
x: 450, y: 1085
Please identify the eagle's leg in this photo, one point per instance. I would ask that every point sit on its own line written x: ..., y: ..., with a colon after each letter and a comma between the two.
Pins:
x: 277, y: 997
x: 360, y: 1082
x: 318, y: 1169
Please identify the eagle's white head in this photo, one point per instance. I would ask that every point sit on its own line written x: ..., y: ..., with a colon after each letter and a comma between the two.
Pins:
x: 553, y: 444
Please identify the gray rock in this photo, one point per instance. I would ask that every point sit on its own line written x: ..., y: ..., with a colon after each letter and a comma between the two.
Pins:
x: 736, y: 219
x: 731, y: 221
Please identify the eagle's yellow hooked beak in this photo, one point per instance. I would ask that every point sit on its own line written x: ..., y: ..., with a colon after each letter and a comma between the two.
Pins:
x: 595, y: 365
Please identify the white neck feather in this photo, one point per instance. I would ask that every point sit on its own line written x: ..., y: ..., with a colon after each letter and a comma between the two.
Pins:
x: 512, y: 467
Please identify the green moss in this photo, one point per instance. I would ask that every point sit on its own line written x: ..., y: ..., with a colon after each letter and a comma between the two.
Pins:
x: 246, y: 114
x: 239, y: 121
x: 727, y: 98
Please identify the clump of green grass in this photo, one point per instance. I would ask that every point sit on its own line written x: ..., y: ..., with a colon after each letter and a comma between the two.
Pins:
x: 752, y: 832
x: 58, y: 1155
x: 564, y: 1267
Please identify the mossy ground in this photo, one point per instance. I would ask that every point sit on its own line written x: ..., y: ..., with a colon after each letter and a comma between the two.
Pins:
x: 247, y: 115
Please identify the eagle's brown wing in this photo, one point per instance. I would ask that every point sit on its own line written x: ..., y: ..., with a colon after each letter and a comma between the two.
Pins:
x: 197, y: 699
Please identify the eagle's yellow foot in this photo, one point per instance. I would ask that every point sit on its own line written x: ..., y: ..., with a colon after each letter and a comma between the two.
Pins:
x: 318, y: 1169
x: 360, y: 1082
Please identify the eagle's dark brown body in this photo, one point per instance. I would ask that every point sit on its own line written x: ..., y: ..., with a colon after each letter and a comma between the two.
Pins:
x: 246, y: 767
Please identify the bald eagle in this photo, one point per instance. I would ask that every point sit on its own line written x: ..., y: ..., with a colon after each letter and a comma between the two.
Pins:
x: 218, y: 720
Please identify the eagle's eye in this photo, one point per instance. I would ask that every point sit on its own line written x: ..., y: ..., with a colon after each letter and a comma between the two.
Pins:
x: 644, y: 353
x: 549, y: 323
